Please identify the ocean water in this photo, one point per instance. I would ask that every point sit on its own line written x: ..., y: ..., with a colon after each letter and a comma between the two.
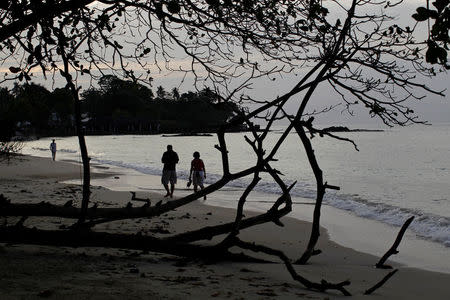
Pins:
x: 397, y: 173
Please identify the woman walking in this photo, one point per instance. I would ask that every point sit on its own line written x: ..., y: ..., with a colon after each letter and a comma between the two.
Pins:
x: 197, y: 172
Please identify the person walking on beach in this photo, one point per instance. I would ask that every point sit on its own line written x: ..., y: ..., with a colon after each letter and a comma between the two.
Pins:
x: 197, y: 172
x: 169, y: 175
x: 53, y: 149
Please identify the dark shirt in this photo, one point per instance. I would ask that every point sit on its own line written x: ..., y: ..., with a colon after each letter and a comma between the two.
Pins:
x: 169, y: 159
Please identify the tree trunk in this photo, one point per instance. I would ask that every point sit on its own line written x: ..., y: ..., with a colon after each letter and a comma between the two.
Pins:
x: 315, y: 232
x: 84, y: 157
x: 79, y: 128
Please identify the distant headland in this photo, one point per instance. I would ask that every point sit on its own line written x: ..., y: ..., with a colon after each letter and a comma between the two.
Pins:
x: 346, y: 129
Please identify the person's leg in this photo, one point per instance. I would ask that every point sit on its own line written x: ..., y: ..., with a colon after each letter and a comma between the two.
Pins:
x: 165, y: 179
x: 173, y: 181
x: 166, y: 186
x: 201, y: 188
x: 200, y: 183
x: 53, y: 155
x: 172, y: 187
x: 195, y: 181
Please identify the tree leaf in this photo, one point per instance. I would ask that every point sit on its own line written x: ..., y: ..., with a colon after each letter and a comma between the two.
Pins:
x: 14, y: 69
x: 441, y: 4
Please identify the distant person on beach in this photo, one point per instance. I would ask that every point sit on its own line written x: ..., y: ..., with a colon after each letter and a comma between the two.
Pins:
x: 169, y: 175
x: 197, y: 172
x: 53, y: 149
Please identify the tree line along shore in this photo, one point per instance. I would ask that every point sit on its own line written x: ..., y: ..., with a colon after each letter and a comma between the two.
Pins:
x: 116, y: 106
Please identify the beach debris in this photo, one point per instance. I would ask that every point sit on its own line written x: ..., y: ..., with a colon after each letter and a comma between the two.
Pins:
x: 134, y: 254
x: 393, y: 250
x: 159, y: 229
x: 68, y: 203
x: 181, y: 263
x: 183, y: 279
x: 4, y: 201
x: 21, y: 221
x: 267, y: 292
x: 185, y: 216
x: 257, y: 279
x: 245, y: 270
x: 45, y: 293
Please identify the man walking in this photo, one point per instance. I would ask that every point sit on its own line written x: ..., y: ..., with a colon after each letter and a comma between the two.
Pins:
x: 169, y: 175
x: 53, y: 149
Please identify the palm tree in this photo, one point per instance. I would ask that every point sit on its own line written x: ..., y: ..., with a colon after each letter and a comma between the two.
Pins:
x: 160, y: 93
x: 175, y: 94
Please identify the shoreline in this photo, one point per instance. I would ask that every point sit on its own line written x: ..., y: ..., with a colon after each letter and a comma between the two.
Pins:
x: 344, y: 228
x: 28, y: 270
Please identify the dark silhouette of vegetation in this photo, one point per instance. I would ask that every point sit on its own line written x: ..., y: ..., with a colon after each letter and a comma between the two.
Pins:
x: 30, y: 109
x: 121, y: 106
x: 438, y: 32
x: 116, y: 107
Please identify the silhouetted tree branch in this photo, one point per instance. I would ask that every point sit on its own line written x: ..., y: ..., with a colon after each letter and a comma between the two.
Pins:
x: 393, y: 250
x: 381, y: 283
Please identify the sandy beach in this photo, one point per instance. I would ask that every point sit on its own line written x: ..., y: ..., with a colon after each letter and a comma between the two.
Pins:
x: 35, y: 272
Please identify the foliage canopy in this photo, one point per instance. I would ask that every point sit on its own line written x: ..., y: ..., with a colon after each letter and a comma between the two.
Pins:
x: 438, y: 38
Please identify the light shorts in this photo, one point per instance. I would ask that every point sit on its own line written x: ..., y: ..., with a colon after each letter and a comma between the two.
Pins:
x: 197, y: 179
x: 169, y: 176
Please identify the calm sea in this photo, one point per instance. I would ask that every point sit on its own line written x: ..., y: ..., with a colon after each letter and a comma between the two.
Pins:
x: 397, y: 173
